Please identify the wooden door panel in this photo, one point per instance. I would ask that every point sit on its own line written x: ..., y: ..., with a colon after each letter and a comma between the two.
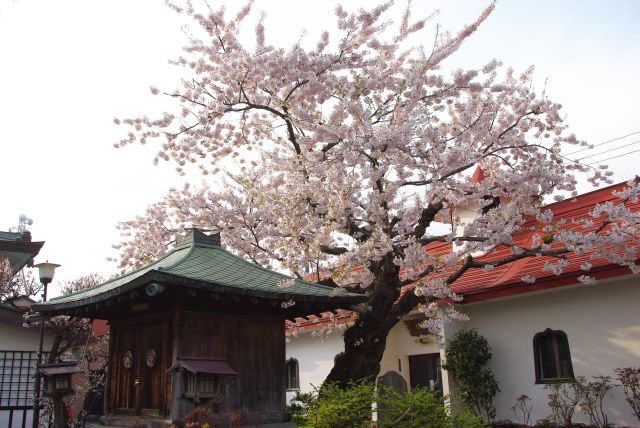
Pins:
x: 151, y: 372
x: 127, y: 368
x: 141, y: 388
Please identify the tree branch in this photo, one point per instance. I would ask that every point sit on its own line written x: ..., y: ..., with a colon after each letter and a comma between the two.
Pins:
x: 335, y: 251
x: 426, y: 217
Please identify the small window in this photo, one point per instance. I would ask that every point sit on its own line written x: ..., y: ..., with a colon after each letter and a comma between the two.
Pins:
x: 292, y: 374
x: 552, y: 357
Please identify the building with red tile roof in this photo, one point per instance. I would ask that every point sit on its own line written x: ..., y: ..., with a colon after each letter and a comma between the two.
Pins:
x: 600, y: 323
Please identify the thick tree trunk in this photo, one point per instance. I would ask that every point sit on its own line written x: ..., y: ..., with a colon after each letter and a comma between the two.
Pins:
x: 364, y: 344
x: 365, y: 341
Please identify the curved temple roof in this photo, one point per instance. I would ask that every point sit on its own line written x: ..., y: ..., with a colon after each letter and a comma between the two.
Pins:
x: 200, y: 262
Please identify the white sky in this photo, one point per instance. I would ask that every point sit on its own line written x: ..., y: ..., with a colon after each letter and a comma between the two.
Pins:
x: 68, y: 67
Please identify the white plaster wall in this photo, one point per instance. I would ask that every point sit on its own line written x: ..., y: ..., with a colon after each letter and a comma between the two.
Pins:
x: 602, y: 323
x: 14, y: 338
x: 400, y: 345
x: 315, y: 357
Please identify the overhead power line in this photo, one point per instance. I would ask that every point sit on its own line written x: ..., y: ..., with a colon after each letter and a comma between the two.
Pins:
x: 610, y: 150
x: 613, y: 157
x: 602, y: 143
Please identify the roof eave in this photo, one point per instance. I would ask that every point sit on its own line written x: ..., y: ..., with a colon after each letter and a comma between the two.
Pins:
x: 52, y: 306
x: 516, y: 288
x: 176, y: 280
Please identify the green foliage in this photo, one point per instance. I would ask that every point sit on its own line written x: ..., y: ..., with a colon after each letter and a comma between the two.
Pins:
x: 334, y: 407
x: 419, y: 408
x: 296, y: 409
x: 466, y: 359
x: 466, y: 419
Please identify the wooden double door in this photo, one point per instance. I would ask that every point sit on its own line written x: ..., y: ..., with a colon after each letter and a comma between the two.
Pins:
x: 140, y: 379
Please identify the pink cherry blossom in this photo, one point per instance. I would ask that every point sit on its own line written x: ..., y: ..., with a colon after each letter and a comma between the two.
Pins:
x: 333, y: 162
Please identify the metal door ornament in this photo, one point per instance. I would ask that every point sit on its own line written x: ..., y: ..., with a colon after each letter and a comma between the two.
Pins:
x: 127, y: 360
x: 151, y: 358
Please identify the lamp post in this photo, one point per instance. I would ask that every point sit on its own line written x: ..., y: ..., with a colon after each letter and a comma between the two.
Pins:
x: 45, y: 272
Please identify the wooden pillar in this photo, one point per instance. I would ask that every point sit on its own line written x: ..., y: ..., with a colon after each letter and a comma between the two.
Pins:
x: 175, y: 383
x: 110, y: 386
x: 178, y: 318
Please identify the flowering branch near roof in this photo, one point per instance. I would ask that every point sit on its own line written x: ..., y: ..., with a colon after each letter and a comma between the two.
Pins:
x: 349, y: 151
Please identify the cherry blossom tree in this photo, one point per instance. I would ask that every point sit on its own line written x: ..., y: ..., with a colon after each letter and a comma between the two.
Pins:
x: 20, y: 284
x: 333, y: 162
x: 73, y: 340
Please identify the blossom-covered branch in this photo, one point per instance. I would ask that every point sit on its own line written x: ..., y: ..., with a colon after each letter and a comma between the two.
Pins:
x: 335, y: 160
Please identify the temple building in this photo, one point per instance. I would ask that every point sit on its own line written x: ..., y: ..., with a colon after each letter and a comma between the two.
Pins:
x: 198, y: 327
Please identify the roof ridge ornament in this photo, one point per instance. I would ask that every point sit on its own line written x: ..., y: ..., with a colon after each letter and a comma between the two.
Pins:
x: 197, y: 236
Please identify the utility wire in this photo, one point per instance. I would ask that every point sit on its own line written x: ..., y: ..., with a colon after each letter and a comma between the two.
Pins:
x: 604, y: 142
x: 613, y: 157
x: 610, y: 150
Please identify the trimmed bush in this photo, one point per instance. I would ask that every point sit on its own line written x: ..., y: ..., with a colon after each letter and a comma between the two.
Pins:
x: 466, y: 359
x: 332, y: 407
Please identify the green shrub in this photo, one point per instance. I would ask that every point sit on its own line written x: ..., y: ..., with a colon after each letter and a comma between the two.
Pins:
x: 466, y: 359
x: 296, y: 408
x: 334, y: 407
x: 414, y: 409
x: 466, y: 419
x: 420, y: 408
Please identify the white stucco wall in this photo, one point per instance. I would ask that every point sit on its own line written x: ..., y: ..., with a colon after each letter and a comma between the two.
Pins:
x: 14, y: 338
x: 315, y: 357
x: 400, y: 345
x: 602, y: 323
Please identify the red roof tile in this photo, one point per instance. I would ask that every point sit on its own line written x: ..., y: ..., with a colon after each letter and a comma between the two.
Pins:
x: 478, y: 176
x: 477, y: 284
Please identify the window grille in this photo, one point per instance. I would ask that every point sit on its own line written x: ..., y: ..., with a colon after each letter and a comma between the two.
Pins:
x: 17, y: 369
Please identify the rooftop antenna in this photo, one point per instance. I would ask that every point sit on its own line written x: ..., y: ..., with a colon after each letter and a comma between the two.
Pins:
x: 23, y: 222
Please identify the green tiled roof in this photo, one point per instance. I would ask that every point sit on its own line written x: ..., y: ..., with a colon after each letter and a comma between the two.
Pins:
x: 200, y: 262
x: 18, y: 249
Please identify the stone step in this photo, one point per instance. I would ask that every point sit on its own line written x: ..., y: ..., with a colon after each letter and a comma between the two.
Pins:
x: 110, y: 422
x: 133, y: 421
